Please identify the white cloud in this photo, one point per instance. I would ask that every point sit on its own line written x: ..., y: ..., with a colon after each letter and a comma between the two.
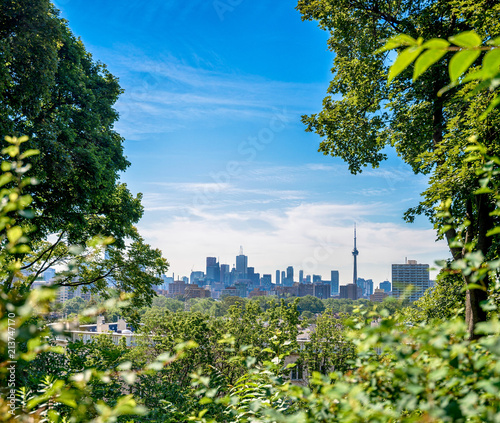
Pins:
x: 316, y: 237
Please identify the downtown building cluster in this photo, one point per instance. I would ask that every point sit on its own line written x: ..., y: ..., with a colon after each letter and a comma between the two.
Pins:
x: 219, y: 280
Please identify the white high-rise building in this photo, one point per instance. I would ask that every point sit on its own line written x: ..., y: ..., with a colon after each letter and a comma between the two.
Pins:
x: 410, y: 273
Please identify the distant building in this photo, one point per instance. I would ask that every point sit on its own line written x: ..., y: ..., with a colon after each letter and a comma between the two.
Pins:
x: 349, y: 291
x: 286, y: 291
x: 225, y: 275
x: 379, y: 295
x: 177, y: 288
x: 242, y: 288
x: 316, y: 278
x: 213, y: 270
x: 411, y: 274
x: 334, y: 282
x: 304, y: 289
x: 65, y: 293
x: 230, y: 291
x: 266, y: 282
x: 196, y: 276
x: 167, y: 280
x: 386, y: 286
x: 322, y: 290
x: 195, y: 291
x: 301, y: 276
x: 277, y: 277
x: 257, y: 292
x: 368, y: 287
x: 242, y: 264
x: 49, y: 274
x: 289, y: 276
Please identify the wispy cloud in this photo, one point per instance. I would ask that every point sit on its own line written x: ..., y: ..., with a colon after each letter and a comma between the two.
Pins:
x: 163, y: 93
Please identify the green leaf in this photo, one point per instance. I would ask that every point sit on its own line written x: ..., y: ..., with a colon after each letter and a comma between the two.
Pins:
x: 397, y: 41
x: 466, y: 39
x: 404, y: 59
x: 493, y: 231
x: 426, y: 60
x: 13, y: 234
x: 491, y: 63
x: 436, y: 43
x: 29, y: 153
x: 461, y: 61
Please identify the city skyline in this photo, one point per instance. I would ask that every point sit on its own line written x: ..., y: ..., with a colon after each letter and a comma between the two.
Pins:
x: 211, y: 118
x: 279, y: 276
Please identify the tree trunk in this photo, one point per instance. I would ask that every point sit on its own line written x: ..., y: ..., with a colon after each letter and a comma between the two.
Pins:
x: 474, y: 312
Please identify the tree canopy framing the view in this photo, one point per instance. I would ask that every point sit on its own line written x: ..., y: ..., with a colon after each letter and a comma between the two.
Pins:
x: 54, y: 92
x: 363, y: 114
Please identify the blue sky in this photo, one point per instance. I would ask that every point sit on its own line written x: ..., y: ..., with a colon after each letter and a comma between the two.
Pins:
x: 214, y: 91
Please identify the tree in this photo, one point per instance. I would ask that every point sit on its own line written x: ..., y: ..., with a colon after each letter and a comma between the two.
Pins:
x: 310, y: 303
x: 443, y: 301
x: 53, y: 91
x: 328, y: 350
x: 362, y: 115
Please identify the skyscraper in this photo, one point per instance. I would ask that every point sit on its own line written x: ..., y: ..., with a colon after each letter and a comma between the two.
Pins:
x: 301, y: 276
x: 213, y: 269
x: 334, y: 281
x: 386, y: 286
x: 225, y: 274
x: 277, y: 277
x: 242, y: 264
x: 289, y: 276
x: 410, y: 274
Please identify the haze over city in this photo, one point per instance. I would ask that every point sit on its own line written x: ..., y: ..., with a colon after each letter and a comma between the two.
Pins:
x: 211, y: 121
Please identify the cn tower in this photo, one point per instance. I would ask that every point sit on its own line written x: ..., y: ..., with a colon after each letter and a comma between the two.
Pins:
x: 355, y: 253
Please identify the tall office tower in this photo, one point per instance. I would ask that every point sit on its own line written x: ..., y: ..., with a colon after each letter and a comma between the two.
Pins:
x: 252, y: 276
x: 301, y: 276
x: 368, y: 287
x: 410, y: 274
x: 334, y: 282
x: 283, y: 277
x: 213, y: 269
x: 355, y: 253
x: 289, y: 276
x: 224, y: 274
x: 277, y: 277
x: 362, y: 284
x: 242, y: 264
x: 308, y: 279
x: 316, y: 278
x: 386, y: 286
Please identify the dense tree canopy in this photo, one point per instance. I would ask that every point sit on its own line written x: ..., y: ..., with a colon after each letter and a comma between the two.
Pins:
x: 363, y: 115
x: 53, y: 91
